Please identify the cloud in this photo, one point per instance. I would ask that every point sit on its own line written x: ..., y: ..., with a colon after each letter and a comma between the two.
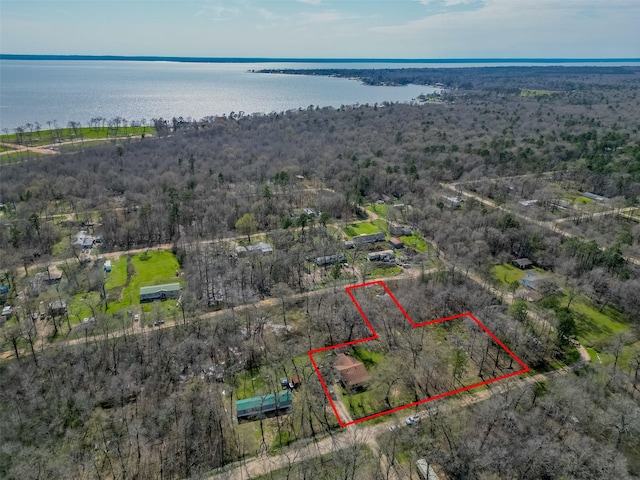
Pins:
x: 546, y: 28
x: 449, y: 3
x: 452, y: 3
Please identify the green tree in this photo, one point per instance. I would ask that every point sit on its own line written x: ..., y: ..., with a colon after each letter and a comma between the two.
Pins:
x: 459, y: 363
x: 519, y: 311
x: 247, y: 225
x: 566, y: 326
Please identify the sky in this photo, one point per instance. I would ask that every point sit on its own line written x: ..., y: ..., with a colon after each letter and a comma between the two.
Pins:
x: 324, y: 28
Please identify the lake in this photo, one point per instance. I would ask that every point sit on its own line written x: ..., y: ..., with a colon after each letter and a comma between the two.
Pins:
x: 62, y: 91
x: 78, y: 90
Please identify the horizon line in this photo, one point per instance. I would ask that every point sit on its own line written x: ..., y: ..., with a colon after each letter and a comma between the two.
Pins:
x: 187, y: 59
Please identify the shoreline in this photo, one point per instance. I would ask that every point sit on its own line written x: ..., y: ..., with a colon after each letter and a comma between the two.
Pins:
x: 179, y: 59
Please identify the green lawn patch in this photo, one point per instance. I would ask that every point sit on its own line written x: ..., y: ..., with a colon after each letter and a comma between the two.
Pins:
x: 368, y: 357
x: 355, y: 229
x: 379, y: 209
x: 145, y: 269
x: 84, y: 305
x: 250, y: 384
x: 583, y: 200
x: 507, y: 273
x: 595, y: 327
x: 19, y: 157
x: 47, y: 137
x: 386, y: 271
x: 117, y: 277
x: 416, y: 242
x: 527, y: 92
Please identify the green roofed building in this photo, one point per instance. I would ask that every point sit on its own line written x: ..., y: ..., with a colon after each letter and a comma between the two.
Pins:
x: 253, y: 406
x: 159, y: 292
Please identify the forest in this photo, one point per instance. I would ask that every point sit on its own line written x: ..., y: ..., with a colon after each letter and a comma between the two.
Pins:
x: 511, y: 194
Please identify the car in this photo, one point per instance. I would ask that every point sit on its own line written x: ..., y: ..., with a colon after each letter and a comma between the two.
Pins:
x: 393, y: 428
x: 284, y: 383
x: 412, y: 420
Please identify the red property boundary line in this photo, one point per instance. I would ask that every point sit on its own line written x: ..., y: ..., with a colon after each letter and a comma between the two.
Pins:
x: 374, y: 336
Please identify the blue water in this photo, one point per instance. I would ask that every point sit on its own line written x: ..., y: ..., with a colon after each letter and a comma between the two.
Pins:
x: 63, y: 91
x: 78, y: 90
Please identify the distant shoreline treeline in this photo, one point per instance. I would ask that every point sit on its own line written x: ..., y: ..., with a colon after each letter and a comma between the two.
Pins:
x: 151, y: 58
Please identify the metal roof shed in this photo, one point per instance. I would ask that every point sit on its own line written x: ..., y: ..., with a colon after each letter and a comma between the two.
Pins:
x: 250, y: 407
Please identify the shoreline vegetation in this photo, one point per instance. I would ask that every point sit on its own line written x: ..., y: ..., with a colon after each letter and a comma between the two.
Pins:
x: 451, y: 77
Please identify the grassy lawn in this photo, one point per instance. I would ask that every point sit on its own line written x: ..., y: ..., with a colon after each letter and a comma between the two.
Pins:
x: 19, y: 157
x: 81, y: 306
x: 249, y: 437
x: 150, y: 268
x: 117, y: 277
x: 379, y: 209
x: 67, y: 134
x: 388, y: 271
x: 250, y: 384
x: 507, y: 273
x: 526, y: 92
x: 355, y: 229
x: 368, y: 357
x: 416, y: 242
x: 582, y: 200
x: 595, y: 327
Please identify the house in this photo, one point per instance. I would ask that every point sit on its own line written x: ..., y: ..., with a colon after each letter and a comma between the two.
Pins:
x: 593, y: 196
x: 352, y: 372
x: 37, y: 284
x: 532, y: 281
x: 84, y: 240
x: 254, y: 406
x: 522, y: 263
x: 159, y: 292
x: 260, y: 247
x: 559, y: 203
x: 383, y: 256
x: 59, y: 307
x: 330, y: 259
x: 53, y: 275
x: 399, y: 230
x: 396, y: 242
x: 368, y: 238
x: 455, y: 202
